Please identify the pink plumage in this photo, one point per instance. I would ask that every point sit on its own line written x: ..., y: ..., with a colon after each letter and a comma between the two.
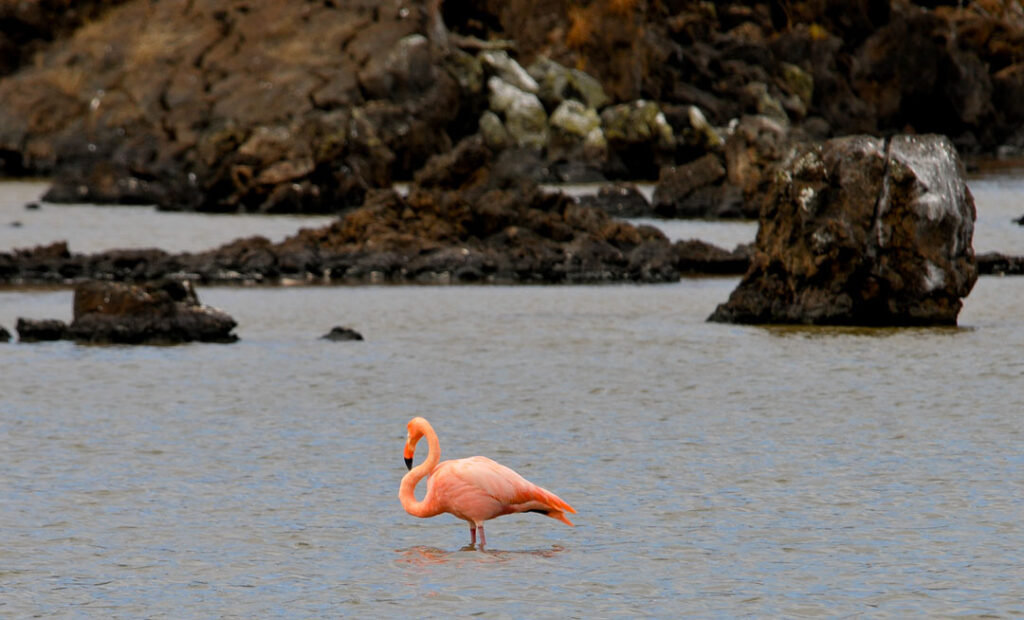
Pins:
x: 474, y: 489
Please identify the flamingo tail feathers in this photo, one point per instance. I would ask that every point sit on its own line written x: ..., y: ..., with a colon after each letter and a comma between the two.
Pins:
x: 550, y: 505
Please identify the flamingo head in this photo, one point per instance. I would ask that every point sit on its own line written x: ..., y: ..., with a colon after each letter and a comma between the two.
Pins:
x: 415, y: 433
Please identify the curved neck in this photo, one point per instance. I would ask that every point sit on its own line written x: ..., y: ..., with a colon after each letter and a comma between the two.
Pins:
x: 406, y: 492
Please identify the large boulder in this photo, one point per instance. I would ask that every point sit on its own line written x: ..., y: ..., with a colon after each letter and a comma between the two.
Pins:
x: 862, y: 230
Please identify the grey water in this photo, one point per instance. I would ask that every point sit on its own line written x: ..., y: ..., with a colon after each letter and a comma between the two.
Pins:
x: 717, y: 470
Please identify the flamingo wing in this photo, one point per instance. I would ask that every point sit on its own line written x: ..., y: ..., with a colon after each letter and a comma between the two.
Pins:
x: 480, y: 488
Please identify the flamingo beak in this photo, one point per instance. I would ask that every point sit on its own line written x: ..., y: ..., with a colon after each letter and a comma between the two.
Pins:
x: 410, y: 451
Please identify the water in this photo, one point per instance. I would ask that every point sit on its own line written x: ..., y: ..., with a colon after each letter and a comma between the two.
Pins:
x: 718, y: 470
x: 92, y: 228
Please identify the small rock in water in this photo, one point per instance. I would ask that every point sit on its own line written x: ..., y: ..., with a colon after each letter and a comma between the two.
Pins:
x: 41, y: 330
x: 339, y: 333
x: 32, y: 206
x: 5, y: 336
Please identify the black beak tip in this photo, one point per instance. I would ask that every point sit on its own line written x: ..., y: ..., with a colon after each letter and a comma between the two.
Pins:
x: 408, y: 463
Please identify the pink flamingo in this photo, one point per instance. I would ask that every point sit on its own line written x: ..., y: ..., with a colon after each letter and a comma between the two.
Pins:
x: 474, y: 489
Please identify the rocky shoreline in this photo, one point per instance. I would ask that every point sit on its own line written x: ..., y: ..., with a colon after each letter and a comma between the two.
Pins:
x: 460, y: 222
x: 263, y: 106
x: 316, y: 107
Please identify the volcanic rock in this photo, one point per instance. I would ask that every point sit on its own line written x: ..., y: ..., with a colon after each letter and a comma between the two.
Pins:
x: 339, y: 334
x: 695, y: 189
x: 162, y: 312
x: 41, y: 330
x: 997, y: 263
x: 865, y: 231
x: 619, y: 200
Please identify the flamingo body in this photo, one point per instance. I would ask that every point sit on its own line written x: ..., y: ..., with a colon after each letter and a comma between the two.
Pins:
x: 473, y: 489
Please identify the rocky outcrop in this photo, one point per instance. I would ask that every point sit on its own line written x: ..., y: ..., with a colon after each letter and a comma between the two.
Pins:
x: 219, y: 106
x: 862, y: 230
x: 460, y: 222
x: 161, y: 312
x: 266, y: 106
x: 999, y: 264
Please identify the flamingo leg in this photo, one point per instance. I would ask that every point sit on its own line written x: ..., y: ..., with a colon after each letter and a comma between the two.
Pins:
x: 483, y: 541
x: 472, y: 535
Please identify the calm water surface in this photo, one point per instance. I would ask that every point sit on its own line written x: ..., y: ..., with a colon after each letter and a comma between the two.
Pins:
x: 718, y: 470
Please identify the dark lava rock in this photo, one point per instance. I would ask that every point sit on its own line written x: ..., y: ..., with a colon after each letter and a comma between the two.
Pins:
x: 162, y: 312
x: 753, y: 153
x: 339, y: 334
x: 863, y: 231
x: 460, y: 223
x: 619, y: 200
x: 41, y: 330
x: 995, y: 263
x: 699, y: 257
x: 5, y: 336
x: 697, y: 190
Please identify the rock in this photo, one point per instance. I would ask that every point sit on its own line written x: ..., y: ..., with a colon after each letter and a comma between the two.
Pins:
x: 694, y: 134
x: 354, y: 90
x: 557, y: 83
x: 699, y: 257
x: 996, y: 263
x: 575, y: 119
x: 493, y: 131
x: 676, y: 194
x: 525, y: 118
x: 576, y: 134
x: 462, y: 166
x: 5, y: 336
x: 339, y: 334
x: 405, y: 72
x: 863, y: 231
x: 797, y: 82
x: 161, y: 312
x: 619, y: 200
x: 753, y: 151
x: 639, y: 136
x: 41, y: 330
x: 756, y: 95
x: 510, y: 71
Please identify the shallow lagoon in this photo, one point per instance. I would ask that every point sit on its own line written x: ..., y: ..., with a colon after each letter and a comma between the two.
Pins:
x: 717, y: 470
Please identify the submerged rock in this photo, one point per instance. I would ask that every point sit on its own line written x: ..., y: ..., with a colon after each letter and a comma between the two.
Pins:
x: 864, y: 231
x: 339, y: 334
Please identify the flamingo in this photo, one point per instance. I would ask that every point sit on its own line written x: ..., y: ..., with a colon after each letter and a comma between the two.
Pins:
x: 473, y: 489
